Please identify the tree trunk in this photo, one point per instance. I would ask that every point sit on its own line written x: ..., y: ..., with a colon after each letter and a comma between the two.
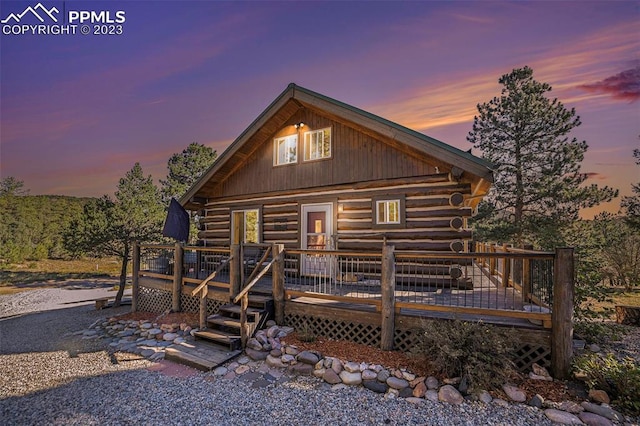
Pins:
x: 123, y: 277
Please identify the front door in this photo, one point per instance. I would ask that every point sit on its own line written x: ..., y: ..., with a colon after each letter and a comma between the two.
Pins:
x: 317, y: 227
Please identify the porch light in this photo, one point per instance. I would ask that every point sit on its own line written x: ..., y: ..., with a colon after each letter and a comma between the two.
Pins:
x: 299, y: 125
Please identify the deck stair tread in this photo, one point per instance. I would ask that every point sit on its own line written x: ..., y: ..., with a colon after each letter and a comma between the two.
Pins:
x: 223, y: 320
x: 236, y: 309
x: 224, y: 327
x: 217, y: 335
x: 200, y: 354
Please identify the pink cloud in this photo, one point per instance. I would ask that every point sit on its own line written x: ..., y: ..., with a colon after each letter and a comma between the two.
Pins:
x: 623, y: 86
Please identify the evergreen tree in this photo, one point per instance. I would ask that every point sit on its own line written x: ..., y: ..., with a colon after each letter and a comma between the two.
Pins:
x: 185, y: 168
x: 110, y: 227
x: 631, y: 205
x: 538, y: 185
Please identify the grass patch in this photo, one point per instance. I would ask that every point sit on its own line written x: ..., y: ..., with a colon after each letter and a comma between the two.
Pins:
x: 26, y: 276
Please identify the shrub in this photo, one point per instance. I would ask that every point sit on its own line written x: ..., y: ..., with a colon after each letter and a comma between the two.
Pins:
x: 478, y: 352
x: 620, y: 379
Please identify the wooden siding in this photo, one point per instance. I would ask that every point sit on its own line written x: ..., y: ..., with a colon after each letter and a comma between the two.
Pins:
x: 431, y: 222
x: 356, y: 157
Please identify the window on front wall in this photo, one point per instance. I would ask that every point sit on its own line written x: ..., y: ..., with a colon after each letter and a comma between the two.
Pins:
x: 388, y: 212
x: 317, y: 144
x: 285, y: 150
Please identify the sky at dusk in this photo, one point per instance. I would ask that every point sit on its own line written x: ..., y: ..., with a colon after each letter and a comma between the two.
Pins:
x: 77, y: 111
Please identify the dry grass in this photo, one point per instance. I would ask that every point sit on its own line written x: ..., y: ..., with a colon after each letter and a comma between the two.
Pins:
x: 14, y: 277
x: 618, y: 297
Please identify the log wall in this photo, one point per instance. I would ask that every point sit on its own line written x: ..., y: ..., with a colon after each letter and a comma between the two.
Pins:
x: 431, y: 222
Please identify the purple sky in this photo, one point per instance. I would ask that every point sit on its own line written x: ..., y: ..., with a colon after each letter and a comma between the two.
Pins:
x: 77, y: 111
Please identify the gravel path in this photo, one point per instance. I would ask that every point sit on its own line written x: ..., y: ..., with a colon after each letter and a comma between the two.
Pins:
x: 49, y: 375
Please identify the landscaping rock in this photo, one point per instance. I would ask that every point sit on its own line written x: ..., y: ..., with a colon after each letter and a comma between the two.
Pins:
x: 336, y: 365
x: 396, y: 383
x: 570, y: 407
x: 562, y: 417
x: 448, y: 393
x: 254, y: 344
x: 593, y: 419
x: 331, y: 377
x: 420, y: 390
x: 307, y: 357
x: 274, y: 362
x: 301, y: 368
x: 603, y: 410
x: 375, y: 386
x: 352, y: 367
x: 383, y: 375
x: 599, y: 396
x: 369, y: 375
x: 431, y: 382
x: 405, y: 392
x: 414, y: 400
x: 536, y: 401
x: 514, y: 393
x: 256, y: 355
x: 432, y: 395
x: 220, y: 371
x: 351, y: 378
x: 539, y: 370
x: 485, y: 397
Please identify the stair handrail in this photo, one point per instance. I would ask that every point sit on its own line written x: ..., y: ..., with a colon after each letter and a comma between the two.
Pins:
x: 243, y: 296
x: 253, y: 282
x: 204, y: 289
x: 259, y: 264
x: 211, y: 276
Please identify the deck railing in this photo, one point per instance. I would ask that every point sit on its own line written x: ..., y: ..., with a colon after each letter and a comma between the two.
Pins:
x: 491, y: 281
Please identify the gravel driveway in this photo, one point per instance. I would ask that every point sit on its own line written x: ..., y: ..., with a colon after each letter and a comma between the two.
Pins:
x: 49, y: 375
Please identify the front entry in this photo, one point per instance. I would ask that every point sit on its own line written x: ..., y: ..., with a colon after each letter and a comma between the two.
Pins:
x: 317, y: 228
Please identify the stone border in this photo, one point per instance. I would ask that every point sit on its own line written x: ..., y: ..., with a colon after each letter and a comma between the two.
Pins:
x: 268, y: 353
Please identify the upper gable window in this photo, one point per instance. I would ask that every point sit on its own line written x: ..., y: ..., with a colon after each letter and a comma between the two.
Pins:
x: 317, y: 144
x: 285, y: 150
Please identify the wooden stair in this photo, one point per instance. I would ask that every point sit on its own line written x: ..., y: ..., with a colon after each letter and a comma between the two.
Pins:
x: 224, y: 328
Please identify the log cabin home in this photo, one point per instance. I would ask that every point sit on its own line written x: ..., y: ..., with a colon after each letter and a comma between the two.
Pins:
x: 315, y: 173
x: 365, y: 221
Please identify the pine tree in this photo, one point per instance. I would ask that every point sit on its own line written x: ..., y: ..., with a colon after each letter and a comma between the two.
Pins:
x: 538, y: 185
x: 110, y: 227
x: 631, y: 205
x: 185, y: 168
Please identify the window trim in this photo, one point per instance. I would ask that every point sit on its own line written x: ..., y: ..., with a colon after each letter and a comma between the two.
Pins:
x: 375, y: 202
x: 305, y: 149
x: 244, y: 212
x: 275, y: 149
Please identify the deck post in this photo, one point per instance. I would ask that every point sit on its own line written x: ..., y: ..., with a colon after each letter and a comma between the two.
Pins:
x: 506, y: 268
x: 177, y: 277
x: 562, y: 312
x: 278, y: 283
x: 388, y: 290
x: 135, y: 279
x: 235, y: 267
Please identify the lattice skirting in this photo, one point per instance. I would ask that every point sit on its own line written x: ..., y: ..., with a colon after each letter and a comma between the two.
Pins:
x: 404, y: 340
x: 529, y: 354
x: 335, y: 329
x: 153, y: 300
x: 192, y: 304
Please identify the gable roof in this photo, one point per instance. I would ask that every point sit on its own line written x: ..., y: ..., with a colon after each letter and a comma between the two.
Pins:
x: 303, y: 97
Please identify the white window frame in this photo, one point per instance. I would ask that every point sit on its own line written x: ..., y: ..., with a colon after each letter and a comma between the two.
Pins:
x: 316, y: 154
x: 384, y: 204
x: 289, y: 141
